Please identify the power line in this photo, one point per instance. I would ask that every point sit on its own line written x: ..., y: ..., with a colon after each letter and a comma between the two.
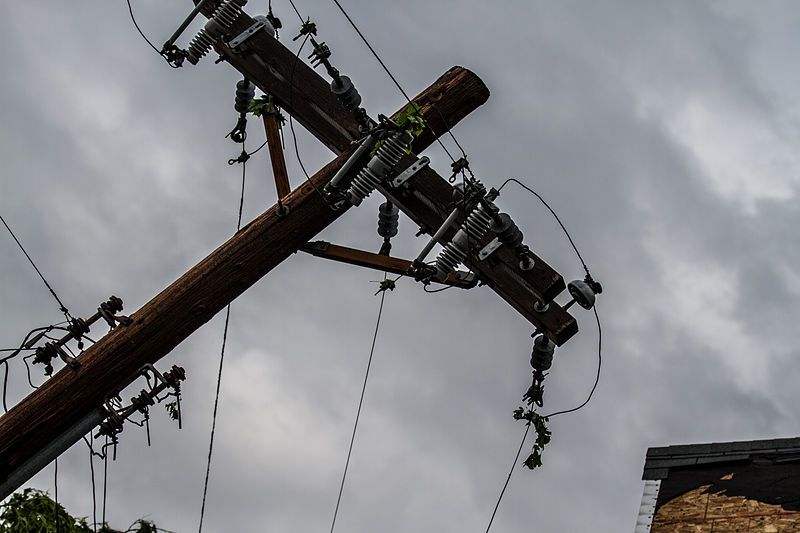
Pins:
x: 221, y: 361
x: 505, y: 485
x: 599, y: 365
x: 133, y: 19
x: 63, y: 308
x: 541, y: 199
x: 358, y: 412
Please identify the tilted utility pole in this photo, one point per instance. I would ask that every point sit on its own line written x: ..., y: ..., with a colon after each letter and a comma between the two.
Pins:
x: 45, y: 421
x: 160, y: 325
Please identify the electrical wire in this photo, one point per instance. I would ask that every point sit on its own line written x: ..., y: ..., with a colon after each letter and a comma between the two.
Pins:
x: 508, y: 479
x: 599, y: 346
x: 221, y: 361
x: 105, y: 482
x: 434, y: 291
x: 597, y: 376
x: 298, y: 12
x: 291, y: 99
x: 94, y: 487
x: 358, y: 412
x: 537, y: 195
x: 63, y: 308
x: 55, y: 493
x: 133, y: 19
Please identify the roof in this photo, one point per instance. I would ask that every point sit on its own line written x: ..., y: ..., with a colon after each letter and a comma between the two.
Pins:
x: 661, y: 459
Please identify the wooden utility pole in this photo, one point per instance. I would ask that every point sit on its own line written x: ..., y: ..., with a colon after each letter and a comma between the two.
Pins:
x: 160, y: 325
x: 73, y: 397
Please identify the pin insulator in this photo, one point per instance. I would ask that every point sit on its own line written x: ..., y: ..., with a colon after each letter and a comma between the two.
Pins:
x: 506, y: 230
x: 388, y: 218
x: 346, y: 92
x: 542, y: 354
x: 245, y: 91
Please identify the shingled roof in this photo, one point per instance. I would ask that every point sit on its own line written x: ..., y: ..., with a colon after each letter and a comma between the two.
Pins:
x: 660, y: 460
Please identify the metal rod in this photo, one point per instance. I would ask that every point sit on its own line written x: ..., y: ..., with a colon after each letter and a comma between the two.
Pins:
x: 438, y: 235
x: 185, y: 24
x: 368, y: 142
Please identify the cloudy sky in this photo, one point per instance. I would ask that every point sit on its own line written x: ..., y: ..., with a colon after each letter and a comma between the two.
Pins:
x: 663, y: 133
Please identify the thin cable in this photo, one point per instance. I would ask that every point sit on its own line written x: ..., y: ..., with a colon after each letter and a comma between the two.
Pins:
x: 599, y: 365
x: 214, y: 417
x: 133, y: 19
x: 55, y: 493
x: 434, y: 291
x: 105, y: 481
x: 358, y: 412
x: 291, y: 98
x: 60, y: 303
x: 5, y: 385
x: 296, y: 11
x: 537, y: 195
x: 94, y: 487
x: 221, y: 362
x: 505, y: 485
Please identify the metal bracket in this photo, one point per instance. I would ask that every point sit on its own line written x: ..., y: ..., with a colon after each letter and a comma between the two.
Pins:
x: 409, y: 173
x: 489, y: 249
x: 261, y: 22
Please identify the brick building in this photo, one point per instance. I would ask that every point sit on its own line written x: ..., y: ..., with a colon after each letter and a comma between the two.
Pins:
x: 747, y: 487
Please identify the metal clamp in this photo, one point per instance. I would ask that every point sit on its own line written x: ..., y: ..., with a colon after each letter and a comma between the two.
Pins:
x: 261, y: 22
x: 411, y: 171
x: 489, y: 249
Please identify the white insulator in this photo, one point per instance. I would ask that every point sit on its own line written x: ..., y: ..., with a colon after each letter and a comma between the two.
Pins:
x: 379, y: 167
x: 472, y: 231
x: 222, y: 20
x: 452, y: 254
x: 477, y: 223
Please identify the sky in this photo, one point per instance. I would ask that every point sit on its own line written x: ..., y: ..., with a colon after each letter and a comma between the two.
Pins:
x: 664, y: 135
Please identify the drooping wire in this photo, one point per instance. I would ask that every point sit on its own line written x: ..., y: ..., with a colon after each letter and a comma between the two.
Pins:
x: 94, y: 486
x: 221, y: 362
x: 358, y: 412
x: 5, y: 385
x: 588, y: 274
x: 528, y: 426
x: 599, y: 345
x: 105, y: 480
x: 537, y: 195
x: 434, y: 291
x: 55, y: 494
x: 63, y: 308
x: 133, y: 19
x: 599, y: 365
x: 508, y: 479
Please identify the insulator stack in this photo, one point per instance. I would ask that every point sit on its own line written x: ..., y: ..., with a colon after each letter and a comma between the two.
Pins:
x: 346, y: 92
x: 542, y: 354
x: 379, y: 167
x: 388, y: 218
x: 506, y: 230
x: 245, y: 91
x: 471, y: 232
x: 222, y: 20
